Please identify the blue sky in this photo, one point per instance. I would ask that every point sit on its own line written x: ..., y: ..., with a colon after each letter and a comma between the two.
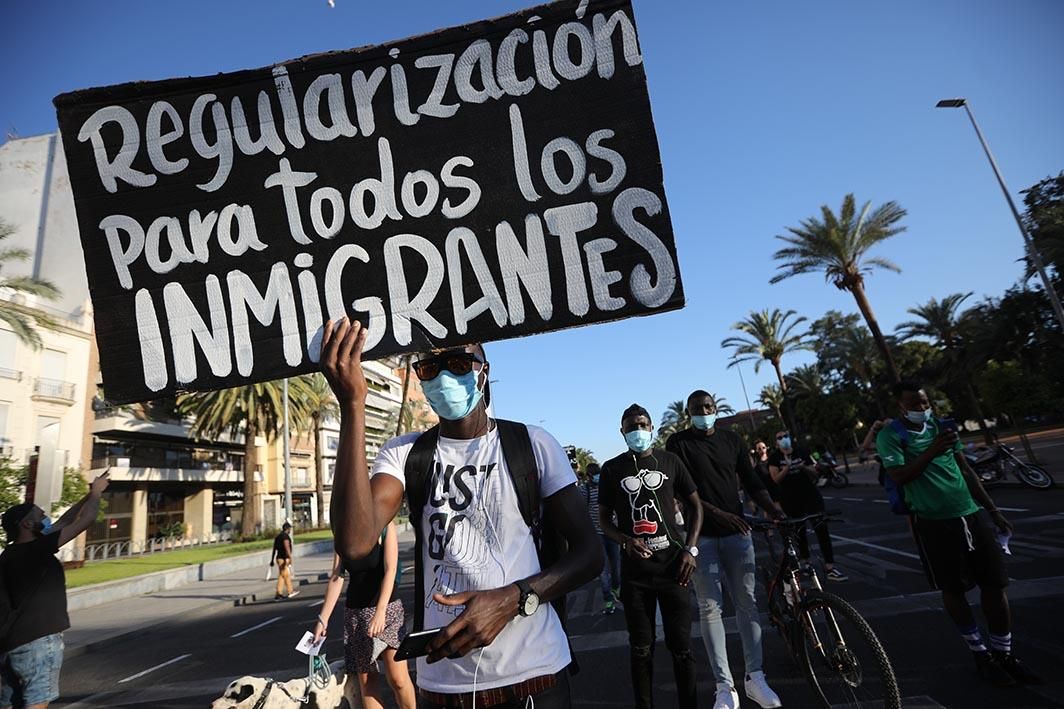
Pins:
x: 764, y: 112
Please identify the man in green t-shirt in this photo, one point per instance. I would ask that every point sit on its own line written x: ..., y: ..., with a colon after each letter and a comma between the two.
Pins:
x: 954, y: 521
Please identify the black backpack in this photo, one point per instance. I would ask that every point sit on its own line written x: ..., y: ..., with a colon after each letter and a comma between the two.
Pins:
x: 521, y: 463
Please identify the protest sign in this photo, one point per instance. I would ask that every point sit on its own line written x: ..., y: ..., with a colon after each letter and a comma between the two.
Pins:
x: 478, y: 183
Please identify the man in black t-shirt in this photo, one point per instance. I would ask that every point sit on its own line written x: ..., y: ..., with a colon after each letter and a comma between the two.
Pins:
x: 282, y: 552
x: 33, y: 610
x: 794, y: 472
x: 640, y: 487
x: 718, y: 462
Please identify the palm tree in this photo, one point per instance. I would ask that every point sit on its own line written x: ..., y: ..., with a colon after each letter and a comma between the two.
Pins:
x: 252, y: 410
x: 772, y: 396
x: 583, y: 458
x: 806, y: 381
x: 674, y: 419
x: 22, y: 320
x: 722, y: 405
x: 838, y: 246
x: 769, y: 336
x: 943, y: 322
x: 321, y: 405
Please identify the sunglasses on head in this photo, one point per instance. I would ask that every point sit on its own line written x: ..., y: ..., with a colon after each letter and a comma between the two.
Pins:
x: 457, y: 363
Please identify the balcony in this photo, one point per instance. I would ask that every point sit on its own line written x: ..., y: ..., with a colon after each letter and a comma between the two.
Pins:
x: 6, y: 373
x: 53, y: 390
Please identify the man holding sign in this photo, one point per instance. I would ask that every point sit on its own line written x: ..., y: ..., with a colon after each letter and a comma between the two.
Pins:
x: 478, y: 564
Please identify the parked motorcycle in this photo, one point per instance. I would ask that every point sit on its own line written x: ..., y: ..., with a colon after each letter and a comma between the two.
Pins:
x: 997, y: 462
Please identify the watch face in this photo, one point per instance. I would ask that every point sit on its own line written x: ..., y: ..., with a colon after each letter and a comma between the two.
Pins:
x: 531, y: 604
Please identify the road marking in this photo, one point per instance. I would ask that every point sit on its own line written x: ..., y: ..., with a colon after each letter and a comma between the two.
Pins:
x: 854, y: 499
x: 407, y: 569
x: 315, y: 604
x: 256, y: 627
x: 152, y: 669
x: 875, y: 546
x: 1013, y: 509
x: 882, y: 502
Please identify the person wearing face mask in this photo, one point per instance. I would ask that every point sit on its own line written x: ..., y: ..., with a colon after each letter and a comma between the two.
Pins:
x: 33, y: 607
x: 957, y: 528
x: 481, y: 571
x: 638, y: 489
x: 794, y: 473
x: 610, y: 578
x: 719, y: 462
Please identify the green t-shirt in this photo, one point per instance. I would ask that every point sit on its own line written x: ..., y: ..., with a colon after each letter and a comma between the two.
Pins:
x: 941, y: 491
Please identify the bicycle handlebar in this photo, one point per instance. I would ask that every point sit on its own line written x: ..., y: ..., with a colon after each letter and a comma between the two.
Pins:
x: 767, y: 524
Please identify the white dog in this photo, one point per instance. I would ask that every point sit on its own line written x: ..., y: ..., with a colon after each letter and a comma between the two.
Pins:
x: 259, y: 693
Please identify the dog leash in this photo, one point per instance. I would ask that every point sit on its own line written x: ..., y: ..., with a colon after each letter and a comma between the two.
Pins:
x: 318, y: 675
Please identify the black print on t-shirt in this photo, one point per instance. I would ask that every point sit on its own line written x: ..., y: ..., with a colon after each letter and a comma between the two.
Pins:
x: 457, y: 494
x: 646, y: 515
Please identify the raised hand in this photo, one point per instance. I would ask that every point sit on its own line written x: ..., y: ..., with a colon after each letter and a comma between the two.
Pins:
x: 341, y: 359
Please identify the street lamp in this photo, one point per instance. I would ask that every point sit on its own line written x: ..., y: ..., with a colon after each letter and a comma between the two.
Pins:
x: 1032, y: 251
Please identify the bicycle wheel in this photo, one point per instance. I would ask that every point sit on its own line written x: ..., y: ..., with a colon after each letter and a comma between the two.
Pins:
x: 1032, y: 475
x: 839, y: 480
x: 842, y: 658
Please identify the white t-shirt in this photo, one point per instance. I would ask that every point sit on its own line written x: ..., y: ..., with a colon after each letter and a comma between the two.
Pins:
x: 476, y: 539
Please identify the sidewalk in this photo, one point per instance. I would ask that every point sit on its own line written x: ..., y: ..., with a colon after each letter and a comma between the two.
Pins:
x: 98, y: 626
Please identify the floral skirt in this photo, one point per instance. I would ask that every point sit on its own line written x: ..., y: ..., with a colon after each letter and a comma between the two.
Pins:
x: 360, y: 650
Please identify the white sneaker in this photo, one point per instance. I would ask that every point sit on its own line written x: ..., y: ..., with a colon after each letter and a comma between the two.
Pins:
x: 758, y: 691
x: 727, y: 698
x: 293, y: 594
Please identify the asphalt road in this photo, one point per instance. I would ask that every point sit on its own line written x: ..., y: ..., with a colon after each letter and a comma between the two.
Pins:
x: 188, y: 663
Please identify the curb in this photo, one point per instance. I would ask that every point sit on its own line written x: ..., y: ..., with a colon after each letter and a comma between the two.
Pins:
x: 97, y: 594
x: 207, y: 609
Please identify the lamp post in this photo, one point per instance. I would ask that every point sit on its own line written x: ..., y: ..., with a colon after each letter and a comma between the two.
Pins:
x: 287, y: 461
x: 1032, y: 251
x: 749, y: 409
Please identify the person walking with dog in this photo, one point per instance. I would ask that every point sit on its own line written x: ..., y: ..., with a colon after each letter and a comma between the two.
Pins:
x: 33, y: 603
x: 282, y: 554
x: 373, y: 620
x: 500, y: 528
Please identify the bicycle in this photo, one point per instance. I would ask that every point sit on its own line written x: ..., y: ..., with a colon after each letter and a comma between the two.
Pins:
x: 836, y: 648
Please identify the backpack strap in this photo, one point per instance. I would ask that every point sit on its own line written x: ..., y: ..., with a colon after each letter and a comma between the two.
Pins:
x: 418, y: 475
x: 902, y: 431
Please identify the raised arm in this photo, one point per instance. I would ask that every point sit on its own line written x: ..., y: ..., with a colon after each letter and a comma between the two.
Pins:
x: 894, y: 459
x: 86, y: 512
x: 360, y: 508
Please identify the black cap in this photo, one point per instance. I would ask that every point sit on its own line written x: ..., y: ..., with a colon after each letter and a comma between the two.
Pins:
x: 13, y: 518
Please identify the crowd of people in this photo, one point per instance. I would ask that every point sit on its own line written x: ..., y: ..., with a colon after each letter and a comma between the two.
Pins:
x: 503, y: 531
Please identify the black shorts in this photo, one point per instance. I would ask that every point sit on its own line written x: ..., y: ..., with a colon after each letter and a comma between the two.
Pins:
x: 961, y: 553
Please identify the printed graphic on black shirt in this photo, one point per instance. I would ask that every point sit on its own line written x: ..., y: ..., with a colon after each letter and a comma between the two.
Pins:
x: 646, y: 515
x: 464, y: 513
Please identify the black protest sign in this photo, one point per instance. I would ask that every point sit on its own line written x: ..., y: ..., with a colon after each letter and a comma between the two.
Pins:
x: 478, y: 183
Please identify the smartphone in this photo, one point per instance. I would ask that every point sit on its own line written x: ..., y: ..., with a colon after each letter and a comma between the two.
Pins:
x: 416, y: 644
x: 948, y: 424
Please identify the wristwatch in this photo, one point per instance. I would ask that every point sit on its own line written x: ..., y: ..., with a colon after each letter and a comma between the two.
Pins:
x: 529, y: 602
x: 692, y: 550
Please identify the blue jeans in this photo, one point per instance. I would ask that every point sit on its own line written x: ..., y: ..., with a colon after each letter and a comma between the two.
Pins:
x: 30, y: 673
x: 728, y: 560
x: 610, y: 578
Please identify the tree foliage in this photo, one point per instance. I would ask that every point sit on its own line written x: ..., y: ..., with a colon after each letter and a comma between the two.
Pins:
x: 22, y: 320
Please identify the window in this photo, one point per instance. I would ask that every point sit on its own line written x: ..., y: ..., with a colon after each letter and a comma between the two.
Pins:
x: 8, y: 343
x: 301, y: 478
x: 330, y: 472
x: 53, y: 365
x: 42, y: 423
x: 332, y: 442
x: 4, y: 408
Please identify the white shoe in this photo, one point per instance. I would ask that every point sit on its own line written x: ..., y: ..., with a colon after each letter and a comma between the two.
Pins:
x: 293, y: 594
x: 727, y: 698
x: 758, y: 691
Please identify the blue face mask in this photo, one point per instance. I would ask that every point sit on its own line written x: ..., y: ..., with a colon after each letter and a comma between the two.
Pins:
x: 921, y: 416
x: 46, y: 525
x: 704, y: 423
x: 453, y: 396
x: 595, y: 478
x: 638, y: 441
x: 785, y: 442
